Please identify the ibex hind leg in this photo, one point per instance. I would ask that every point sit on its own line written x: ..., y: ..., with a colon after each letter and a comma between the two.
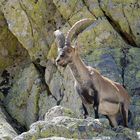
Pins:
x: 130, y: 118
x: 112, y: 121
x: 109, y: 121
x: 124, y: 113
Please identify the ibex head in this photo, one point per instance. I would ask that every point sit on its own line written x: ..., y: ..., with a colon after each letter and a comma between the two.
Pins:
x: 66, y: 51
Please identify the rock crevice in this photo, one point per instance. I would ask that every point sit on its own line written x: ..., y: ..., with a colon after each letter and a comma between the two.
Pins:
x: 127, y: 37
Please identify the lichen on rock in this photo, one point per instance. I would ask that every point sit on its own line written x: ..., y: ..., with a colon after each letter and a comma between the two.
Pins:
x: 6, y: 130
x: 61, y: 122
x: 23, y: 100
x: 30, y: 81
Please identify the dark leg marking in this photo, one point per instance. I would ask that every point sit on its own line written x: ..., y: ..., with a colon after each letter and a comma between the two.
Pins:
x: 123, y: 112
x: 85, y: 111
x: 130, y: 118
x: 109, y: 121
x: 96, y: 112
x: 96, y: 103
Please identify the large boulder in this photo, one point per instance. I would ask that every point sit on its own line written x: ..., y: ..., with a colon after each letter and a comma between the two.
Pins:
x: 124, y: 15
x: 23, y: 100
x: 7, y: 132
x: 33, y: 24
x: 61, y: 85
x: 11, y: 50
x: 135, y: 109
x: 65, y: 125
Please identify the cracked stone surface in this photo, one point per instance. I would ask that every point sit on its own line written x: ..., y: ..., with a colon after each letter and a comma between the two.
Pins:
x: 31, y: 83
x: 61, y: 122
x: 6, y: 130
x: 61, y: 87
x: 22, y: 101
x: 36, y: 34
x: 125, y: 14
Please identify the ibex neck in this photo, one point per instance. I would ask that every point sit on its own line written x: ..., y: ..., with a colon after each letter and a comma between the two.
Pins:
x: 79, y: 70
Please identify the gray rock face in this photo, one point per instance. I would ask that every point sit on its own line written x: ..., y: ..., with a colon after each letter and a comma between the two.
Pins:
x: 72, y: 128
x: 31, y: 83
x: 6, y: 130
x: 22, y: 102
x: 126, y: 20
x: 33, y: 24
x: 58, y: 111
x: 135, y: 108
x: 61, y: 85
x: 55, y: 138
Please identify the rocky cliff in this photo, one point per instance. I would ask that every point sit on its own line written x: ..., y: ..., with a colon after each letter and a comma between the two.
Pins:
x: 30, y: 82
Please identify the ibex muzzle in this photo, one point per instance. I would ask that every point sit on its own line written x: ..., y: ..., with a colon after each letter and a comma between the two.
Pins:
x: 106, y: 96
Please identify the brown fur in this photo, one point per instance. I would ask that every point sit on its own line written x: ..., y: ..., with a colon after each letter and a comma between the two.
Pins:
x: 106, y: 96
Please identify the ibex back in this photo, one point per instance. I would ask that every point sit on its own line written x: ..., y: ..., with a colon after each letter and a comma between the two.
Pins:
x: 106, y: 96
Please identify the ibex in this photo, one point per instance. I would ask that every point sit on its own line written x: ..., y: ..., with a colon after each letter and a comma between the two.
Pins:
x: 106, y: 96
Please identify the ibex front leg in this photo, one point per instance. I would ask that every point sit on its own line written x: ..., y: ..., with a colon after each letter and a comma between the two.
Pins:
x: 96, y: 112
x: 94, y: 94
x: 85, y: 111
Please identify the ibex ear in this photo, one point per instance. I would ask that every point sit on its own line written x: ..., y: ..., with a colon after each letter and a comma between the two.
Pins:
x: 59, y: 39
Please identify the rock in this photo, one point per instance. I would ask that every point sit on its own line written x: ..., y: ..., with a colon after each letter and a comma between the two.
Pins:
x: 11, y: 50
x: 61, y: 86
x: 58, y: 111
x: 6, y: 130
x: 68, y: 8
x: 138, y: 133
x: 135, y: 110
x: 126, y: 133
x: 83, y: 13
x: 136, y: 124
x: 55, y: 138
x: 130, y: 72
x: 70, y: 128
x: 45, y: 103
x: 121, y: 15
x: 12, y: 57
x: 94, y: 8
x: 73, y: 128
x: 33, y: 24
x: 22, y: 101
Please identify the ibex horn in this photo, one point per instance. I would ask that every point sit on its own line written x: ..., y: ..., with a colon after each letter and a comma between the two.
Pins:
x: 77, y: 28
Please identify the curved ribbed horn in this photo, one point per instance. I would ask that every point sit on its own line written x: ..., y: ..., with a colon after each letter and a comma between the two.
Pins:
x: 78, y: 27
x: 60, y: 39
